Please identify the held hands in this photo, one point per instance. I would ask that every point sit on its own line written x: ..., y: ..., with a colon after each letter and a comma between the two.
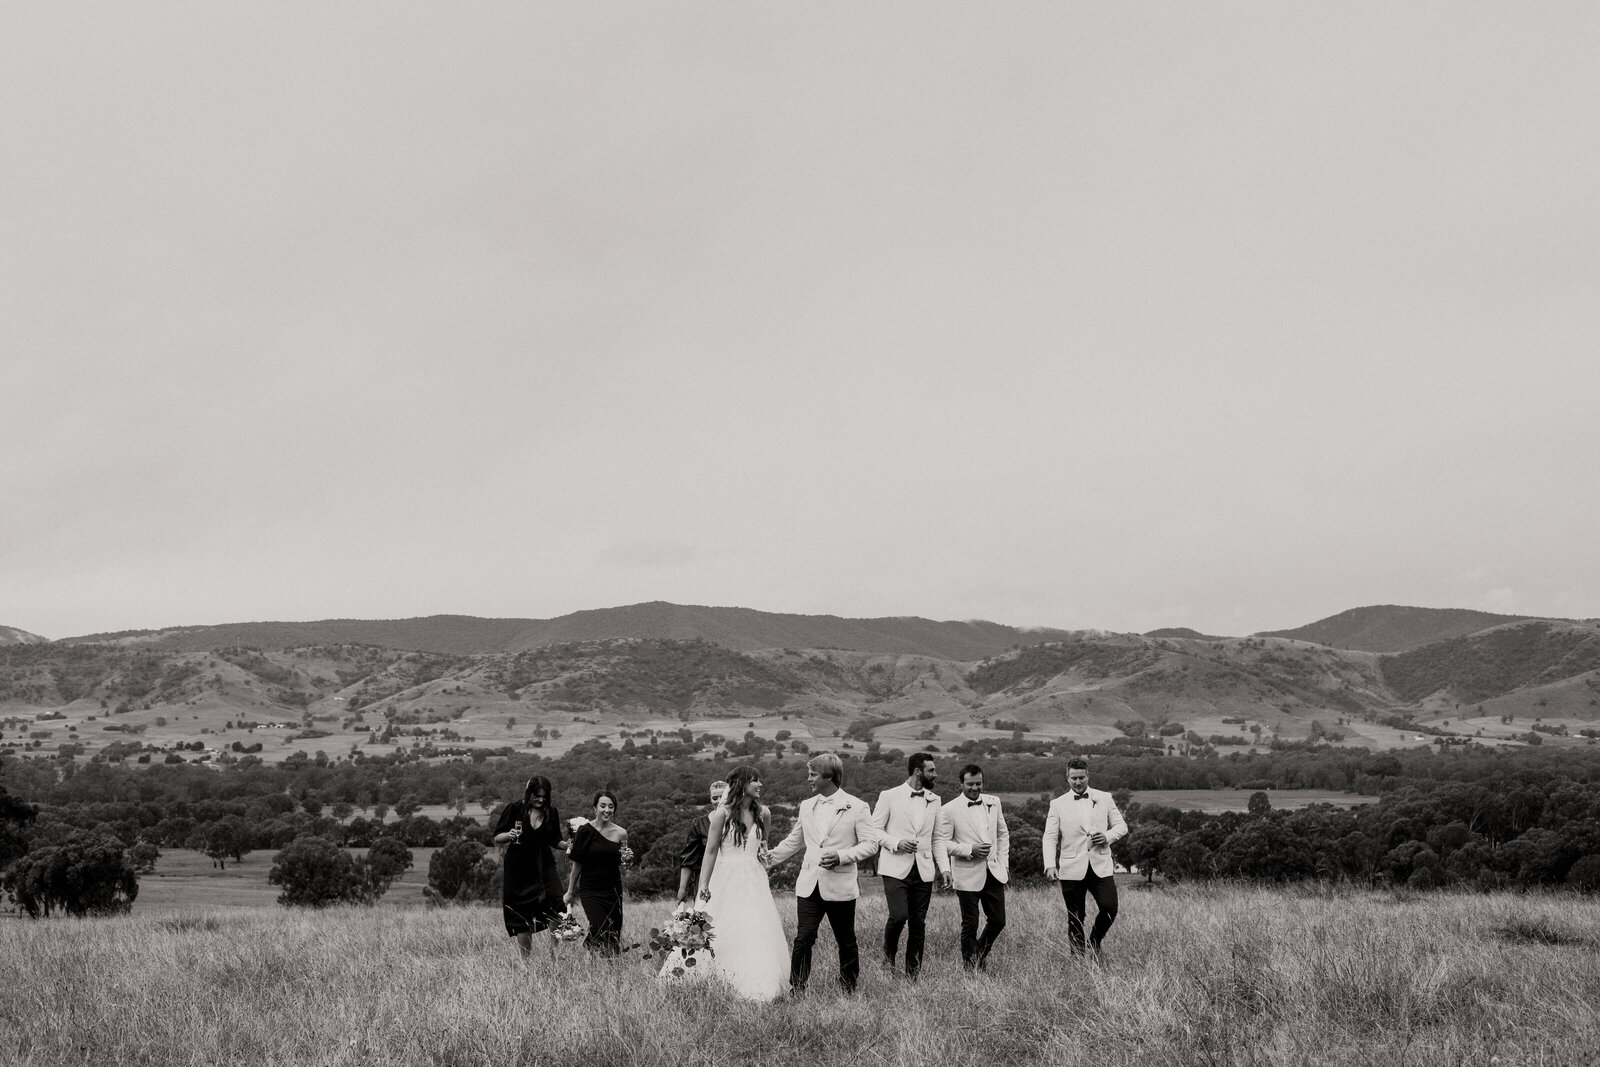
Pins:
x: 906, y: 846
x: 946, y: 880
x: 627, y: 855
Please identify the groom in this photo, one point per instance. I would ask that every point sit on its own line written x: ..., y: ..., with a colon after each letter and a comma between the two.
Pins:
x: 836, y: 831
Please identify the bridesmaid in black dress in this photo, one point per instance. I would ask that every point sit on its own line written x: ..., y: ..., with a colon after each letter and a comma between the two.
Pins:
x: 599, y: 852
x: 531, y: 890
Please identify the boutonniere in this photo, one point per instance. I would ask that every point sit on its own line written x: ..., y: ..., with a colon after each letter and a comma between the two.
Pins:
x: 845, y: 808
x: 1093, y: 803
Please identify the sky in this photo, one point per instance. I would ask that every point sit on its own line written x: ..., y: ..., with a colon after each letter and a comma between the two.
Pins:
x: 1230, y: 315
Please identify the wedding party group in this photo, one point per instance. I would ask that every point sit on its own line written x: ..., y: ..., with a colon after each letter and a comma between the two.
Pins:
x: 919, y: 841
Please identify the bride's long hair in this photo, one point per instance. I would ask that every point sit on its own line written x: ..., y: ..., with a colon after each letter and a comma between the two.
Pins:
x: 738, y: 802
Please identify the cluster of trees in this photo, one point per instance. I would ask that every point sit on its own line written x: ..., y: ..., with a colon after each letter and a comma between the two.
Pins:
x: 314, y: 871
x: 1522, y: 832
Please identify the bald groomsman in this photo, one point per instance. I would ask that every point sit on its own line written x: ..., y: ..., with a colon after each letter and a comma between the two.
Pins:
x: 904, y: 817
x: 1078, y: 834
x: 694, y: 845
x: 973, y: 847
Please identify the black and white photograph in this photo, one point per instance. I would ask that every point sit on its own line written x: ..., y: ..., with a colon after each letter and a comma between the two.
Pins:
x: 556, y: 534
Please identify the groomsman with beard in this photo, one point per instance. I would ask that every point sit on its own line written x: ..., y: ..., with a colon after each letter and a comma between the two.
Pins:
x: 973, y: 847
x: 904, y: 818
x: 694, y: 846
x: 1078, y: 834
x: 836, y: 831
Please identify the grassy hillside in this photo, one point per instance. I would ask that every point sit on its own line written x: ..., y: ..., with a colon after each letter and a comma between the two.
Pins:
x: 1495, y: 662
x: 1392, y: 628
x: 125, y: 701
x: 1213, y: 976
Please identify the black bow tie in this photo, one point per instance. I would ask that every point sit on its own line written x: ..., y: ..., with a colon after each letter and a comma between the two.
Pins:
x: 917, y: 792
x: 973, y: 803
x: 1080, y: 796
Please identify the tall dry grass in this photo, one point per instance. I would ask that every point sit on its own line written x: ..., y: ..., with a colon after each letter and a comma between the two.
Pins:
x: 1229, y: 975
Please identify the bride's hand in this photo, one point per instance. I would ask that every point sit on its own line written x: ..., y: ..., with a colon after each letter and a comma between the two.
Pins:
x: 705, y: 895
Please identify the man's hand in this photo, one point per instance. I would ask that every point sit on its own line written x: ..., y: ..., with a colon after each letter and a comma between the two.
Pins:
x: 946, y: 880
x: 906, y: 846
x: 1051, y: 872
x: 980, y: 851
x: 1097, y: 839
x: 829, y: 860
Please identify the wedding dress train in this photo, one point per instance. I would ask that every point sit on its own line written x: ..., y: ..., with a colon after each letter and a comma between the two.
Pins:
x: 752, y: 955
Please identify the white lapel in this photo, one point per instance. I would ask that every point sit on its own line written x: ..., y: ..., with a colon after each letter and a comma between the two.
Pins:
x: 977, y: 819
x: 823, y: 822
x: 919, y: 811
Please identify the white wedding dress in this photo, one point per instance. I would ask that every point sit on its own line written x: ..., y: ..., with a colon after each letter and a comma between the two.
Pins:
x: 752, y: 955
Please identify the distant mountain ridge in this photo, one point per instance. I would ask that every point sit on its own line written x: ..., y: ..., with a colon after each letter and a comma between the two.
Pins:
x: 1394, y: 628
x: 740, y: 629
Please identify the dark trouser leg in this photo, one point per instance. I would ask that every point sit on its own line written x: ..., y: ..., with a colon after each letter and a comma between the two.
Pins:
x: 968, y: 901
x: 1104, y: 889
x: 993, y: 899
x: 842, y: 917
x: 1072, y: 891
x: 808, y: 913
x: 919, y: 893
x: 895, y: 895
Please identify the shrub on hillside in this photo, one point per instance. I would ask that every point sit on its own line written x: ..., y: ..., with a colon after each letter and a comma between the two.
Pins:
x: 314, y: 872
x: 88, y: 874
x: 463, y: 872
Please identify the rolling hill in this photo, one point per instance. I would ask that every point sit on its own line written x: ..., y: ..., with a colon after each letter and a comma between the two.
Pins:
x: 147, y: 693
x: 10, y: 635
x: 1392, y: 628
x: 742, y: 629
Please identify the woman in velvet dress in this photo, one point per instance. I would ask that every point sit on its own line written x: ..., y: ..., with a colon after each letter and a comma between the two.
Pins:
x: 599, y: 852
x: 531, y: 890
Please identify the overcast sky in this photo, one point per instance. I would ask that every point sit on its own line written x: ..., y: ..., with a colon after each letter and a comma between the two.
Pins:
x: 1230, y: 316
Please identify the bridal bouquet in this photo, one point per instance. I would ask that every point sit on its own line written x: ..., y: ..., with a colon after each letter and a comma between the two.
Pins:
x: 685, y: 942
x: 568, y: 929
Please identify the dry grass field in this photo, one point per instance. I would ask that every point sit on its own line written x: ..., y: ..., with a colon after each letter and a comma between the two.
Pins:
x: 1217, y: 975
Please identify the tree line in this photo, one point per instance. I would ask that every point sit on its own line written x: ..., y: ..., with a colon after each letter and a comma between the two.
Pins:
x: 75, y: 836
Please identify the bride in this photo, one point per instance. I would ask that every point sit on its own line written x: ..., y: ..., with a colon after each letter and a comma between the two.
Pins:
x: 752, y: 954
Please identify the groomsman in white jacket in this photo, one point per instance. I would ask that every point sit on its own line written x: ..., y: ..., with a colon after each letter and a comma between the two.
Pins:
x: 904, y: 818
x: 836, y: 831
x: 1078, y: 833
x: 973, y: 847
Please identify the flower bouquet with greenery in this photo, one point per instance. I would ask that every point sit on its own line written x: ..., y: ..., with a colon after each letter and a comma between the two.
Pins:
x: 568, y: 929
x: 684, y: 942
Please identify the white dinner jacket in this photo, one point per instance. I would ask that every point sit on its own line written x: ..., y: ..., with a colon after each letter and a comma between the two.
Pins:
x: 960, y: 825
x: 1066, y: 834
x: 840, y: 823
x: 898, y: 816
